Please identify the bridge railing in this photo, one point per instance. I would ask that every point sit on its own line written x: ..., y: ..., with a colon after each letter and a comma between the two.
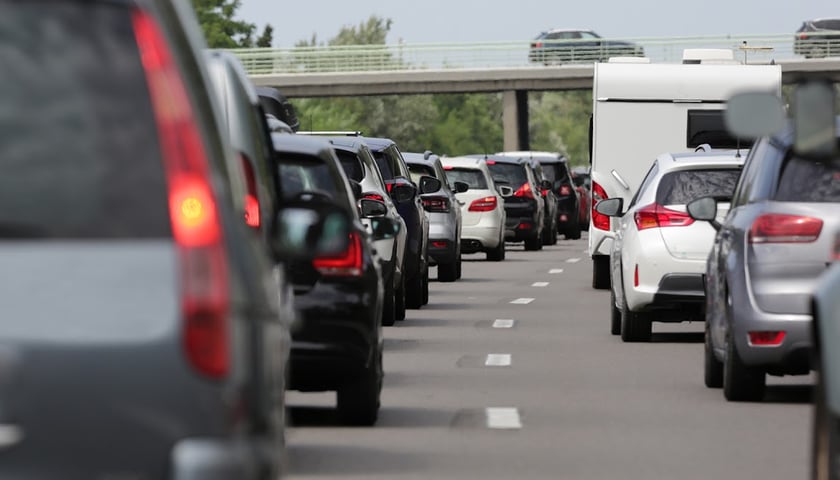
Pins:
x: 424, y: 56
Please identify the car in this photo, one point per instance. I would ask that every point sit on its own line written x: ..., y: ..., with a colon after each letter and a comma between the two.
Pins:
x: 825, y: 427
x: 550, y: 200
x: 143, y: 336
x: 359, y: 166
x: 406, y: 195
x: 767, y: 256
x: 659, y: 253
x: 277, y: 105
x: 483, y: 216
x: 444, y: 214
x: 563, y: 45
x: 525, y: 209
x: 337, y: 343
x: 818, y: 38
x: 583, y: 184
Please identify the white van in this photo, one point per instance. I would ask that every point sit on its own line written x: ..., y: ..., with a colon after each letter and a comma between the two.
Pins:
x: 642, y: 110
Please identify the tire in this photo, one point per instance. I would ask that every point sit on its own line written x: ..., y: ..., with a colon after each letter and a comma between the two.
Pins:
x: 459, y: 267
x: 615, y: 316
x: 358, y: 402
x: 426, y: 286
x: 497, y: 254
x: 549, y: 234
x: 448, y: 272
x: 825, y: 444
x: 389, y: 311
x: 414, y: 291
x: 712, y: 367
x: 399, y: 300
x: 741, y: 383
x: 601, y: 272
x: 635, y: 326
x: 533, y: 244
x: 573, y: 230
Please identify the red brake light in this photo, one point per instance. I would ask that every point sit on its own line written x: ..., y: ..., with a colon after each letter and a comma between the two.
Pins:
x: 565, y: 190
x: 389, y: 186
x: 524, y: 191
x: 803, y: 36
x: 345, y: 264
x: 436, y: 204
x: 252, y: 202
x: 657, y: 216
x: 486, y: 204
x: 192, y: 206
x: 781, y: 228
x: 636, y: 276
x: 374, y: 196
x: 448, y: 167
x: 490, y: 162
x: 544, y: 192
x: 766, y: 339
x: 599, y: 221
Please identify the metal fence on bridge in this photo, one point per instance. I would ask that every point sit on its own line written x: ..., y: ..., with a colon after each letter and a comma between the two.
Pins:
x: 401, y: 57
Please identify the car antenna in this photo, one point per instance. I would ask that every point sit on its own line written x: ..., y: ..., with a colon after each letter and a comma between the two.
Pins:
x: 738, y: 147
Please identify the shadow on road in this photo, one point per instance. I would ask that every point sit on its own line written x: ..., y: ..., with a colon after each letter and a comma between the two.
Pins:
x: 448, y: 306
x: 427, y: 322
x: 677, y: 337
x: 389, y: 417
x: 351, y: 460
x: 789, y: 394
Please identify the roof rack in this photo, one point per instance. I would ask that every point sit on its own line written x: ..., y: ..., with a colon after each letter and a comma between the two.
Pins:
x: 332, y: 133
x: 705, y: 147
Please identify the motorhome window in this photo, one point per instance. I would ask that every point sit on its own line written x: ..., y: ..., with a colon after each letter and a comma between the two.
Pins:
x: 707, y: 126
x: 680, y: 188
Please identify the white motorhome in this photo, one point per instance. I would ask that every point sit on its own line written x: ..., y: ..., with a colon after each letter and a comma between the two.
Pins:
x: 643, y: 110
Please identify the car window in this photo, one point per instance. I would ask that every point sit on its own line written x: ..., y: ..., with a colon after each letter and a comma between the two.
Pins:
x: 514, y: 174
x: 367, y: 158
x: 832, y: 24
x: 86, y: 147
x: 555, y: 172
x: 588, y: 35
x: 416, y: 171
x: 651, y: 175
x: 305, y: 173
x: 744, y: 188
x: 808, y: 181
x: 680, y: 188
x: 474, y: 178
x: 351, y: 165
x: 382, y: 162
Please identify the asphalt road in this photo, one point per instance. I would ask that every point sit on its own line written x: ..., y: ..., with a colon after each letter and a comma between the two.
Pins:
x: 554, y: 396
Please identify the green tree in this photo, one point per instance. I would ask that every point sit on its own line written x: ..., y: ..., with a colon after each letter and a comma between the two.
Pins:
x: 223, y: 30
x: 559, y: 122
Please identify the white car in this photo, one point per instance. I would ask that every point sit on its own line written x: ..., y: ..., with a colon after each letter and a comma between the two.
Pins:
x: 659, y: 252
x: 482, y: 206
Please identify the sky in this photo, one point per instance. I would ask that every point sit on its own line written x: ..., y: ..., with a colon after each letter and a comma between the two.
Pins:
x: 428, y: 21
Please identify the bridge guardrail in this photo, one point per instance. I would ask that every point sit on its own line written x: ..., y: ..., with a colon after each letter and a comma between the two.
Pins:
x: 425, y: 56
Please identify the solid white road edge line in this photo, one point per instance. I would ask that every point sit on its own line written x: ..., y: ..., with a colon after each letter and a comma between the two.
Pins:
x: 503, y: 418
x: 498, y: 360
x: 503, y: 323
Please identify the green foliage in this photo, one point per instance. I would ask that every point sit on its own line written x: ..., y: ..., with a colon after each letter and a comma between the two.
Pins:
x: 559, y: 122
x: 222, y: 30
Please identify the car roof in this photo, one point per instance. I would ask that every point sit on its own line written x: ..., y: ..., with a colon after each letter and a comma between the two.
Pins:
x: 377, y: 144
x: 302, y: 144
x: 413, y: 157
x: 542, y: 157
x: 692, y: 160
x: 462, y: 162
x: 503, y: 159
x: 352, y: 144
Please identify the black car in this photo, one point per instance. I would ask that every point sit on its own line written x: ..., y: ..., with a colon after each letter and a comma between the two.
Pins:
x: 525, y: 209
x: 277, y: 105
x: 406, y: 195
x: 818, y: 38
x: 574, y: 46
x: 556, y: 170
x: 337, y: 341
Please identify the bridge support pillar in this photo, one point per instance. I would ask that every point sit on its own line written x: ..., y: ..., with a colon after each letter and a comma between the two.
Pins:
x: 515, y: 120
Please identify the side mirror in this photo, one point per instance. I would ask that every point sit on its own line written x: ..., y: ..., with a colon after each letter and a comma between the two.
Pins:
x: 357, y: 188
x: 460, y: 187
x: 402, y: 193
x: 611, y: 207
x: 505, y: 191
x: 307, y: 230
x: 372, y: 208
x: 384, y: 228
x: 754, y: 114
x: 546, y: 184
x: 429, y: 184
x: 705, y: 210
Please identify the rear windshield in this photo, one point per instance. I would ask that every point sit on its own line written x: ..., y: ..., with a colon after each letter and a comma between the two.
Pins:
x: 383, y: 165
x: 474, y: 178
x: 418, y: 171
x: 680, y: 188
x: 351, y: 165
x: 555, y: 172
x: 79, y: 155
x: 513, y: 174
x: 828, y: 24
x: 808, y: 181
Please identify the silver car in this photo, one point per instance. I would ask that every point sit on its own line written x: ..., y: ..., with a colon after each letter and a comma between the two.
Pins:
x: 762, y: 270
x: 444, y: 214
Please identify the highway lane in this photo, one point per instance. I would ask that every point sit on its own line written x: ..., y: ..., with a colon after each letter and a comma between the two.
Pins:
x: 568, y: 400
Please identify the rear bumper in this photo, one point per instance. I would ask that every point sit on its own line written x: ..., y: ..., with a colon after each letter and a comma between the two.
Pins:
x: 521, y: 227
x: 479, y: 238
x: 442, y: 251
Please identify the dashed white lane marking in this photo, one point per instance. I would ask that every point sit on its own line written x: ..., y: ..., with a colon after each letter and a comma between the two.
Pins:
x: 498, y: 360
x: 573, y: 260
x: 555, y: 271
x: 522, y: 301
x: 503, y: 418
x: 503, y: 323
x: 539, y: 284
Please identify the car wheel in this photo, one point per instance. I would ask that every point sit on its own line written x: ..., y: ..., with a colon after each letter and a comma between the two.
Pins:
x: 458, y: 267
x: 358, y: 402
x: 549, y: 235
x: 601, y: 272
x: 497, y: 254
x: 399, y: 300
x: 414, y: 292
x: 426, y: 286
x: 389, y: 310
x: 534, y: 243
x: 635, y: 326
x: 825, y: 445
x: 615, y: 316
x: 712, y: 367
x: 741, y: 383
x: 448, y: 272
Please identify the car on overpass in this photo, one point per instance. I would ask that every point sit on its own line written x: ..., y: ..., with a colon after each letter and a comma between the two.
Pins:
x: 558, y: 46
x: 818, y: 38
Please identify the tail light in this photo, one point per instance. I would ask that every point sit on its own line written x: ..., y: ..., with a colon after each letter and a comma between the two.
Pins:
x: 636, y: 276
x: 436, y: 204
x: 252, y: 202
x: 600, y: 221
x: 565, y: 190
x: 781, y: 228
x: 374, y: 196
x: 440, y: 243
x: 196, y: 226
x: 657, y: 216
x: 544, y: 192
x: 524, y: 191
x: 486, y: 204
x: 803, y: 36
x: 389, y: 186
x: 345, y: 264
x: 766, y: 339
x: 538, y: 45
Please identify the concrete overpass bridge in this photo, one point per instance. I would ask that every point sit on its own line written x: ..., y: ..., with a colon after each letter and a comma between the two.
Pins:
x: 405, y: 69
